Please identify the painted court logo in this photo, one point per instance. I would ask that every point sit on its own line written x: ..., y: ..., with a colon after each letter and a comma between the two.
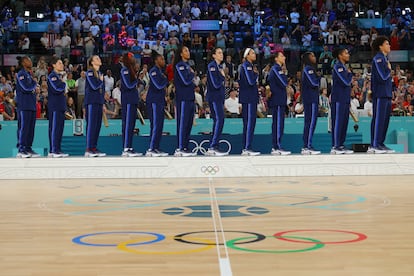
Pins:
x: 204, y: 211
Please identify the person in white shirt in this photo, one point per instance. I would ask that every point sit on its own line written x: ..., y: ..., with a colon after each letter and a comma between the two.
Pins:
x: 94, y: 29
x: 306, y: 39
x: 223, y: 11
x: 185, y: 26
x: 76, y: 26
x: 140, y: 32
x: 77, y: 8
x: 66, y: 41
x: 86, y: 24
x: 231, y: 105
x: 116, y: 93
x: 44, y: 40
x: 195, y: 12
x: 173, y: 28
x: 368, y: 105
x: 109, y: 82
x: 163, y: 22
x: 294, y: 17
x: 158, y: 47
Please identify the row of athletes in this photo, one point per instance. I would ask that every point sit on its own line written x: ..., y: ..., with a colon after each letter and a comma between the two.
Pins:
x: 185, y: 106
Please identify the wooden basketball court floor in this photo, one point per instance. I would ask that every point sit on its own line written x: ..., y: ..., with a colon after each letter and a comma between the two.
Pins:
x: 207, y: 225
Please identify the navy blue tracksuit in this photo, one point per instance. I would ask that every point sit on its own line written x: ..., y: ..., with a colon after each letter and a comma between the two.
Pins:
x: 26, y: 107
x: 340, y: 100
x: 215, y: 98
x: 94, y: 100
x: 156, y: 104
x: 277, y: 102
x: 184, y: 89
x: 56, y: 110
x: 310, y: 98
x: 249, y: 98
x: 381, y: 85
x: 129, y: 101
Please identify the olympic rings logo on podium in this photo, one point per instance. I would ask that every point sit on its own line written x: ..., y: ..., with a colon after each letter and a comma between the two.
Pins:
x: 210, y: 170
x: 130, y: 245
x: 203, y: 146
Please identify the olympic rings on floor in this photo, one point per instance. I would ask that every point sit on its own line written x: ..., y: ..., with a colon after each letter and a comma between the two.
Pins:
x: 124, y: 246
x: 258, y: 237
x: 210, y: 170
x: 79, y: 239
x: 317, y: 245
x: 128, y: 246
x: 360, y: 236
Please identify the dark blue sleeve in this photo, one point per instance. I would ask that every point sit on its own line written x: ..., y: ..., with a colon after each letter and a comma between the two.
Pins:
x: 312, y: 79
x: 93, y: 81
x: 127, y: 80
x: 158, y: 80
x: 212, y: 74
x: 185, y: 75
x: 344, y: 76
x: 383, y: 71
x: 58, y: 86
x: 279, y: 78
x: 251, y: 77
x: 26, y: 82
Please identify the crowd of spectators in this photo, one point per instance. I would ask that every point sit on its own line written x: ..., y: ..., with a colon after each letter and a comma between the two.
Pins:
x: 78, y: 30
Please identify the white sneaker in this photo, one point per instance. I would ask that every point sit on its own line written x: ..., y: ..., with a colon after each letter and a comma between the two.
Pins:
x: 33, y: 154
x: 90, y: 153
x: 54, y: 155
x: 184, y: 153
x: 280, y: 152
x: 310, y: 151
x: 23, y: 154
x: 130, y: 153
x: 348, y: 151
x: 216, y: 152
x: 248, y: 152
x: 387, y: 149
x: 100, y: 154
x: 305, y: 151
x: 155, y: 153
x: 376, y: 150
x: 337, y: 151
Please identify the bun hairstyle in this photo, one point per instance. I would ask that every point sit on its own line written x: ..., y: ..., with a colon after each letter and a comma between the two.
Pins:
x: 129, y: 62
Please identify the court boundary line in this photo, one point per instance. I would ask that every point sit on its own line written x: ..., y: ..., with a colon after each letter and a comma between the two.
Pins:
x: 224, y: 263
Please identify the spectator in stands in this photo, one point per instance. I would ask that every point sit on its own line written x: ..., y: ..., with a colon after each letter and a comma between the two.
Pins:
x: 195, y: 12
x: 80, y: 92
x: 109, y: 82
x: 232, y: 106
x: 66, y: 43
x: 89, y: 45
x: 57, y: 46
x: 44, y: 40
x: 24, y: 43
x: 5, y: 87
x: 368, y: 105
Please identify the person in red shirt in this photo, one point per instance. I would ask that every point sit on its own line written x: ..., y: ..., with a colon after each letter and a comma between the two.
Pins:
x: 2, y: 109
x: 38, y: 107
